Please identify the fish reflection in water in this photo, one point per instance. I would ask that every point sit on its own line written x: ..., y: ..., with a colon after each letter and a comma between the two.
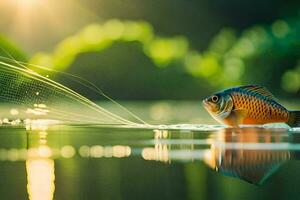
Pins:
x: 251, y: 154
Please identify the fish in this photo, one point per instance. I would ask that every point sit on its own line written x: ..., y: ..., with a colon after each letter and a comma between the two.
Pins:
x: 249, y: 105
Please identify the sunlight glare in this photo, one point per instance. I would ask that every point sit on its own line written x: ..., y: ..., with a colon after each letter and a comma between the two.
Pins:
x: 28, y: 3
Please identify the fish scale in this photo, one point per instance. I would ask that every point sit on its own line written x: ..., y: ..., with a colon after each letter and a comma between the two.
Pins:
x: 250, y: 104
x: 258, y: 107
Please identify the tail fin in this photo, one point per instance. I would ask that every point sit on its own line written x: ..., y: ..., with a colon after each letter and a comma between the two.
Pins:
x: 294, y: 119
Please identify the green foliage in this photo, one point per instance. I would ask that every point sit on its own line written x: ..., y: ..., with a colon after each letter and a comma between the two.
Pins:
x: 261, y: 54
x: 8, y: 49
x: 97, y: 37
x: 163, y: 51
x: 93, y: 38
x: 230, y: 59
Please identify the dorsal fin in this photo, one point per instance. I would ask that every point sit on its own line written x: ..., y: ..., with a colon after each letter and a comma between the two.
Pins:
x: 260, y: 90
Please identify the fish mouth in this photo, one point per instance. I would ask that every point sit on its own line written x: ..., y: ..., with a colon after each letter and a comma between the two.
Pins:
x: 205, y: 103
x: 208, y: 105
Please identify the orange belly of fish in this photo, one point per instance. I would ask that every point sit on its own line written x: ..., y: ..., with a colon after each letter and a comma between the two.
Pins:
x: 249, y: 120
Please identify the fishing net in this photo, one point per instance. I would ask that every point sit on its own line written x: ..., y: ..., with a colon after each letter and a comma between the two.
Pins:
x: 29, y: 95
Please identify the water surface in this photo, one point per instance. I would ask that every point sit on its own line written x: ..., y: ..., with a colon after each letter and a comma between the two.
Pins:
x: 203, y: 162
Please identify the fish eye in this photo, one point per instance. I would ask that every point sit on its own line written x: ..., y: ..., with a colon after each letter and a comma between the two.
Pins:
x: 214, y: 99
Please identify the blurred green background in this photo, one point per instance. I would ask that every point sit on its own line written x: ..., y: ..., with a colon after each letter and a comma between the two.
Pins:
x: 151, y: 50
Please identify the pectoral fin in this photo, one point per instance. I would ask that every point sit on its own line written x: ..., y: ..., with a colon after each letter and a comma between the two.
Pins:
x: 236, y: 117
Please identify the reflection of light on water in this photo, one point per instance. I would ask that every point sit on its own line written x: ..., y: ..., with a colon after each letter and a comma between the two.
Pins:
x: 97, y: 151
x: 6, y: 121
x: 43, y: 151
x: 40, y: 152
x: 158, y: 134
x: 15, y: 122
x: 121, y: 151
x: 23, y: 154
x: 40, y: 177
x: 84, y: 151
x: 14, y: 111
x: 39, y: 124
x: 211, y: 150
x: 67, y: 151
x: 40, y: 171
x: 160, y: 152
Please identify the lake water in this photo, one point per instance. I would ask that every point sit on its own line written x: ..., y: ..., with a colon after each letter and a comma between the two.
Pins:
x: 167, y: 162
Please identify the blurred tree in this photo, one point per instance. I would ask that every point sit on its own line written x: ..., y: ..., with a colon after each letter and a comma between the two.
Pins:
x: 232, y: 58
